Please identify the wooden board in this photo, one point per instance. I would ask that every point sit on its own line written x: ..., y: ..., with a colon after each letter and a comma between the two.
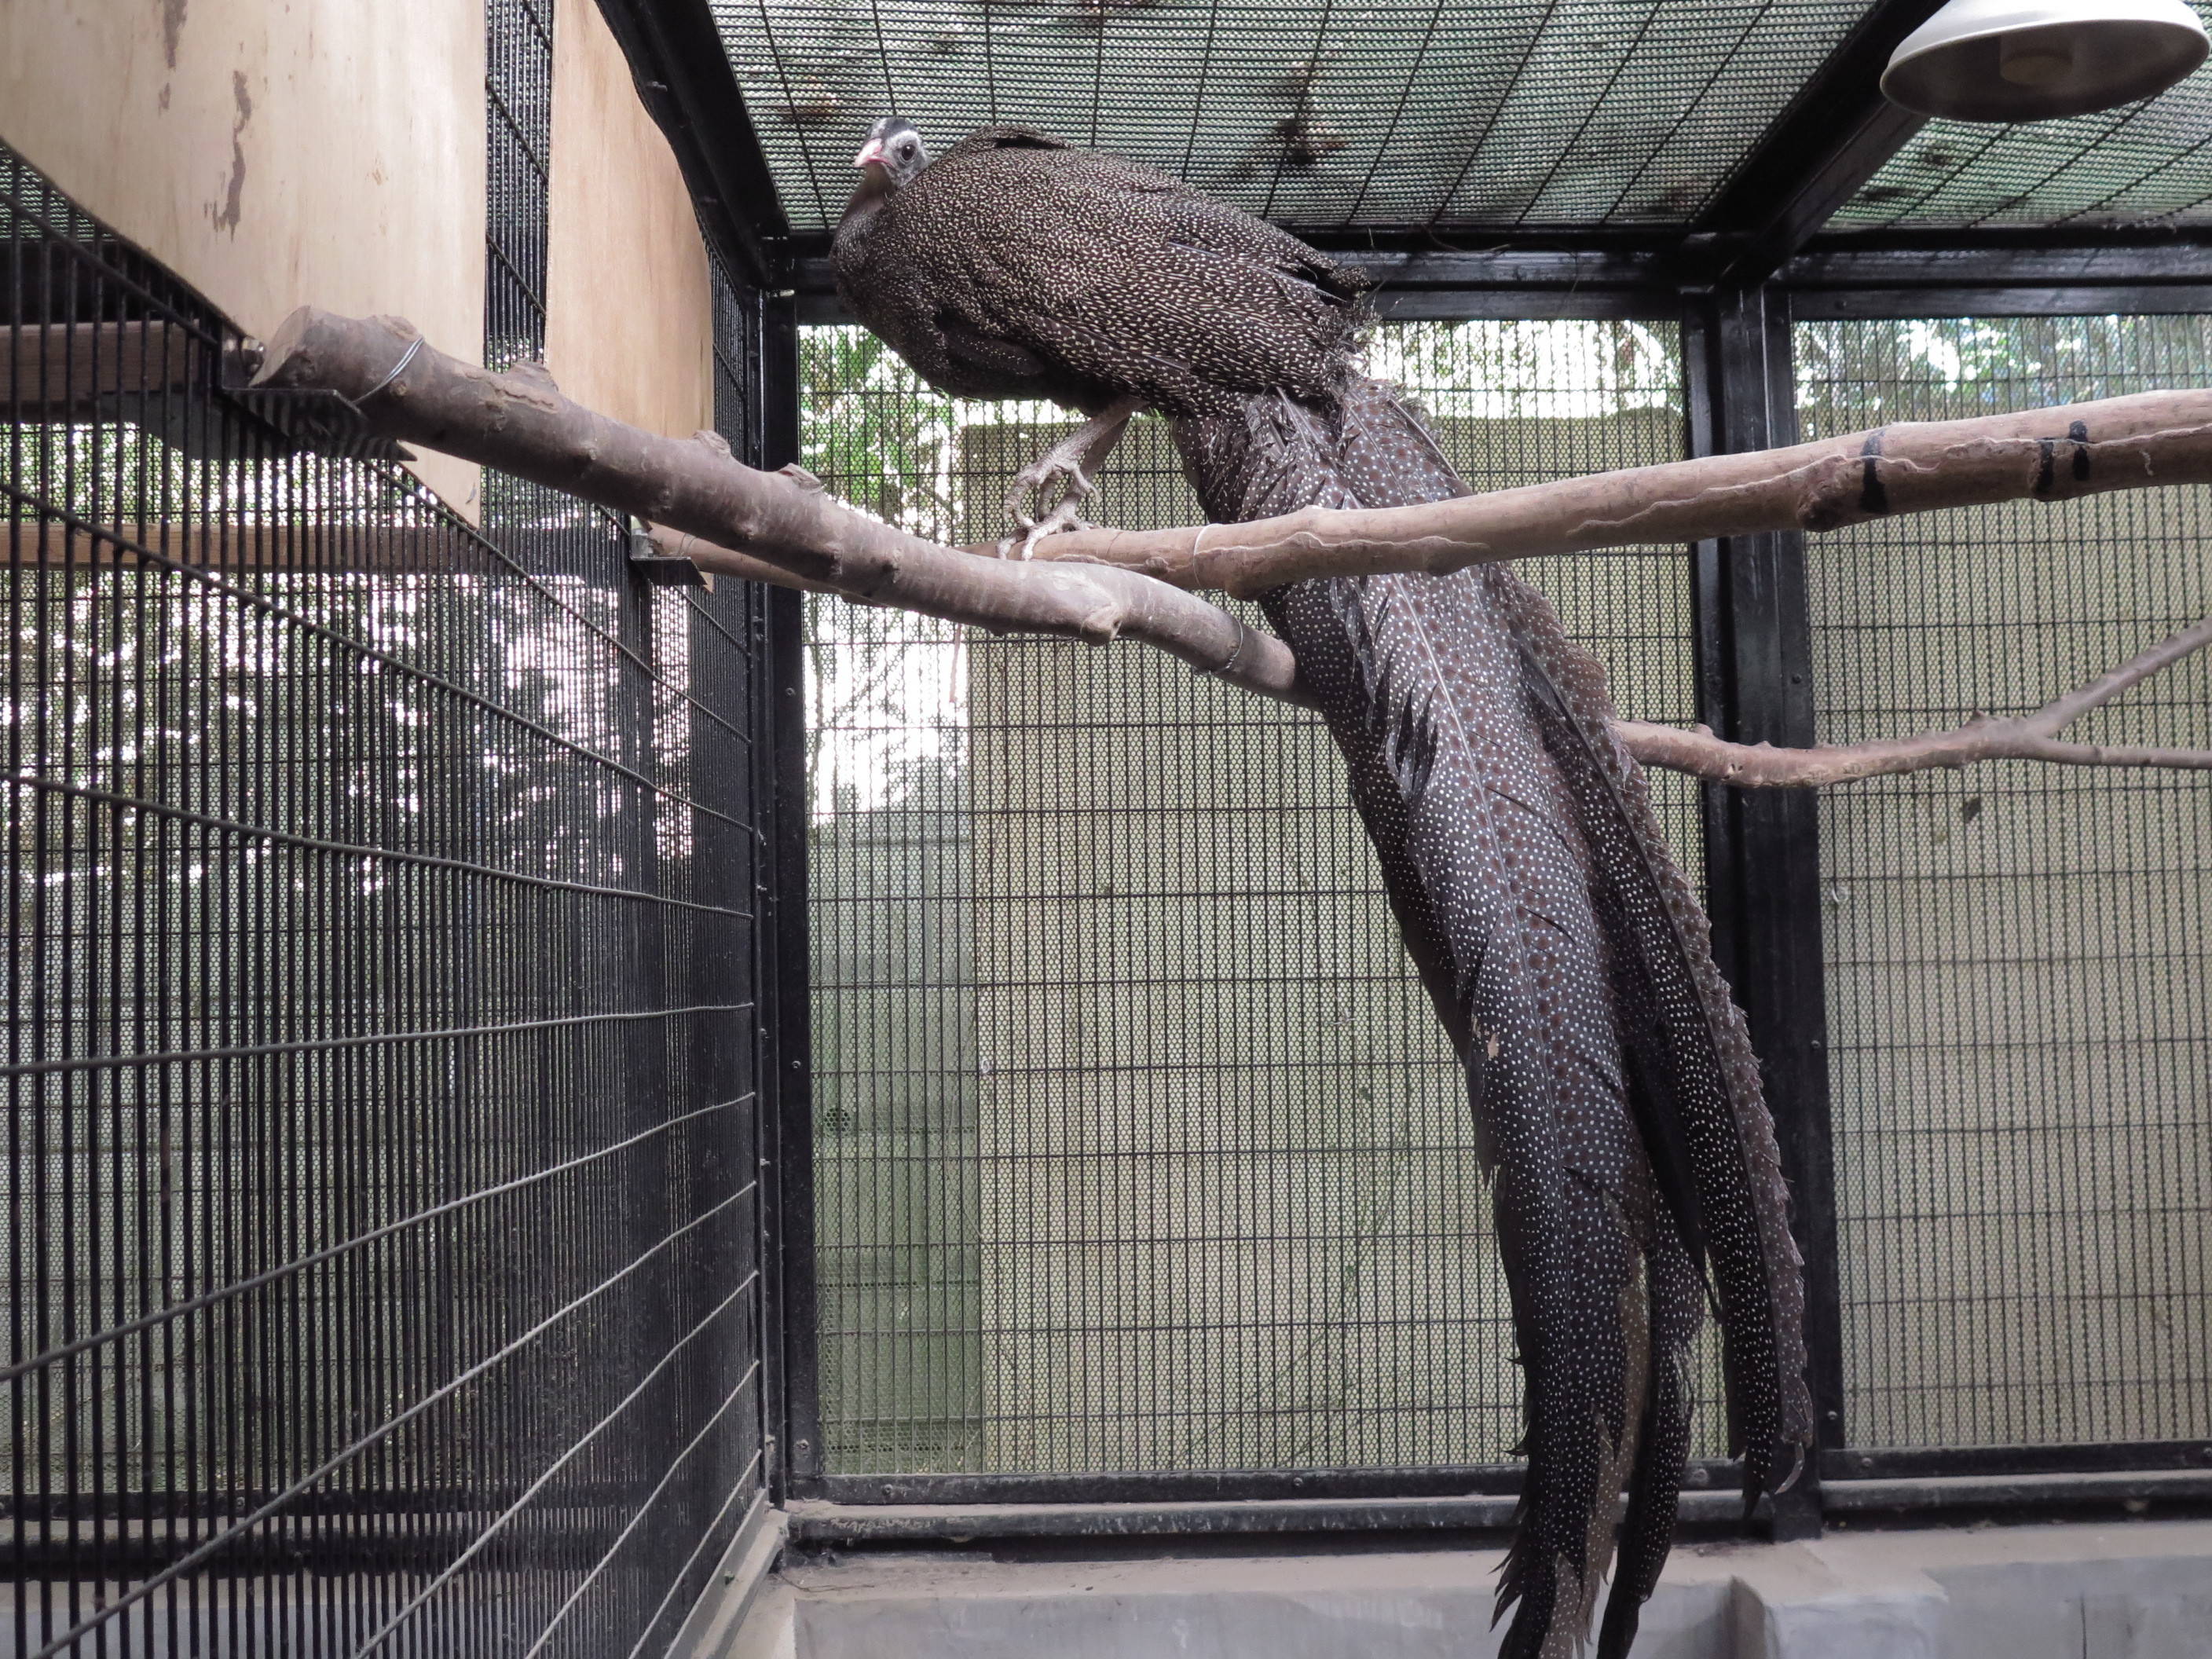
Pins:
x: 630, y: 327
x: 60, y: 370
x: 322, y: 151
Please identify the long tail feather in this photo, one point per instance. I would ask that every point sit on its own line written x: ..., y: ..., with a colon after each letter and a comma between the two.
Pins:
x: 1647, y: 1531
x: 1617, y: 1104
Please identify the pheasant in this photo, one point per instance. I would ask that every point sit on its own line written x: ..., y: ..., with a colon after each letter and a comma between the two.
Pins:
x: 980, y: 269
x: 1617, y: 1100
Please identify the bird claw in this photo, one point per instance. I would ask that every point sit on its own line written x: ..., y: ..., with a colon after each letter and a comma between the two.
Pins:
x: 1065, y: 461
x: 1063, y: 517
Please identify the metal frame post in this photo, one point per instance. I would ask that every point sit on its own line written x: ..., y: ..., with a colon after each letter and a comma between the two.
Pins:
x: 789, y: 1097
x: 1754, y: 674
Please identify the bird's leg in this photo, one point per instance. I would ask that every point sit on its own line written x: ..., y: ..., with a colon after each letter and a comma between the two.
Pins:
x: 1081, y: 452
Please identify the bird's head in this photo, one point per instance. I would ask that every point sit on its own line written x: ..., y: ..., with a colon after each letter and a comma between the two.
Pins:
x: 892, y: 154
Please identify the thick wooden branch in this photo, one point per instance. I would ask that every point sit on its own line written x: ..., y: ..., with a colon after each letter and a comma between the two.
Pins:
x: 2041, y: 454
x: 521, y: 424
x: 2018, y: 736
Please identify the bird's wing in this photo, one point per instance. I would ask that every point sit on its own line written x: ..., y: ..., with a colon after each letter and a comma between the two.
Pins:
x: 1122, y: 278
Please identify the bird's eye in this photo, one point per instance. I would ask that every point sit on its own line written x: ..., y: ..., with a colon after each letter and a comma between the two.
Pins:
x: 907, y: 149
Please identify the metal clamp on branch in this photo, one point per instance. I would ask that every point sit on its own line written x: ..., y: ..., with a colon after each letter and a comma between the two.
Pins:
x: 761, y: 522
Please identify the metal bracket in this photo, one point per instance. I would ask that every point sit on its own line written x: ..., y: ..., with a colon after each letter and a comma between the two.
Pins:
x: 325, y: 421
x: 662, y: 569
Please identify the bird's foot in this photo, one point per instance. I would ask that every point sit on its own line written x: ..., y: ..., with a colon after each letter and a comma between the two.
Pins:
x: 1065, y: 462
x: 1062, y: 517
x: 1062, y: 462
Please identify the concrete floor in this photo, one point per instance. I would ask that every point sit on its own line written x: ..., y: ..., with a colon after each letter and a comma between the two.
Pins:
x: 2140, y: 1590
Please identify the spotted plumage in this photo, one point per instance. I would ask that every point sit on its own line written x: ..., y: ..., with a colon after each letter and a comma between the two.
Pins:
x: 1616, y: 1098
x: 1015, y: 266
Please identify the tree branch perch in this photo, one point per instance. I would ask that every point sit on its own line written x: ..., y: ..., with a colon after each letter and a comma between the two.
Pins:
x: 2038, y: 454
x: 2018, y: 736
x: 1098, y: 585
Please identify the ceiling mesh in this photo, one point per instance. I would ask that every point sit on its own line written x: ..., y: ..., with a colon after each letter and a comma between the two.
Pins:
x: 1324, y: 116
x: 2143, y: 164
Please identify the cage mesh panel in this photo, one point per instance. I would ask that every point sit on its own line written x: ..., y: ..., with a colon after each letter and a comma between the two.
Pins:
x: 1138, y: 1146
x: 1541, y: 112
x: 2146, y: 163
x: 379, y: 1199
x: 519, y: 152
x: 2016, y: 967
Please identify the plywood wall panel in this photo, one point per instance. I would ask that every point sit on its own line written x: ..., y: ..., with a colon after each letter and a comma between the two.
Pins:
x: 629, y: 304
x: 317, y: 151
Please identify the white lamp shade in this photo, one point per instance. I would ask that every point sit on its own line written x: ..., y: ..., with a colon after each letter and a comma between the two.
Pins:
x: 2011, y: 60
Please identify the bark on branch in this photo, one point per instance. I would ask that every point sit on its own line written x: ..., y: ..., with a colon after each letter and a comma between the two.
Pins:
x: 2040, y: 454
x: 519, y: 423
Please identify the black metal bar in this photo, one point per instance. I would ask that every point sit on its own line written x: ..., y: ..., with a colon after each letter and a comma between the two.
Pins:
x: 1763, y: 866
x: 1552, y: 271
x: 1854, y: 262
x: 1839, y: 304
x: 818, y: 1524
x: 1227, y: 1485
x: 1962, y: 276
x: 779, y: 373
x: 1929, y: 1463
x: 1836, y: 134
x: 1709, y: 611
x: 1469, y: 304
x: 1092, y: 1507
x: 1904, y: 1495
x: 1658, y: 245
x: 684, y: 80
x: 1531, y: 282
x: 830, y: 1525
x: 801, y: 1463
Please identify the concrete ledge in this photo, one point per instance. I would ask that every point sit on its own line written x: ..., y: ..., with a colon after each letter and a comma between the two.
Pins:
x: 728, y: 1622
x: 2139, y: 1590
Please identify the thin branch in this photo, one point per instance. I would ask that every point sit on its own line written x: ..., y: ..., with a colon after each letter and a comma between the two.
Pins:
x: 519, y: 423
x: 2019, y: 737
x: 2040, y: 454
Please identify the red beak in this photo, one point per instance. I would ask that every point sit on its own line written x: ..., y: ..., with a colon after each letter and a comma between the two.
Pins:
x: 871, y: 154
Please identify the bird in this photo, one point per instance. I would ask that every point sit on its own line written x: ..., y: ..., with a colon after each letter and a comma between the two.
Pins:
x: 1616, y: 1100
x: 1005, y: 220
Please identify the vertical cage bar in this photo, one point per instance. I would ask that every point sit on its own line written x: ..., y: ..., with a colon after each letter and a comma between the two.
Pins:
x: 1764, y: 879
x: 792, y: 1095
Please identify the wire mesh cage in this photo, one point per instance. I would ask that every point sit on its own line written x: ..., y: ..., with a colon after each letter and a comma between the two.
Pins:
x: 381, y: 1195
x: 1320, y: 117
x: 1430, y: 118
x: 2017, y: 968
x: 1137, y: 1148
x: 393, y: 1261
